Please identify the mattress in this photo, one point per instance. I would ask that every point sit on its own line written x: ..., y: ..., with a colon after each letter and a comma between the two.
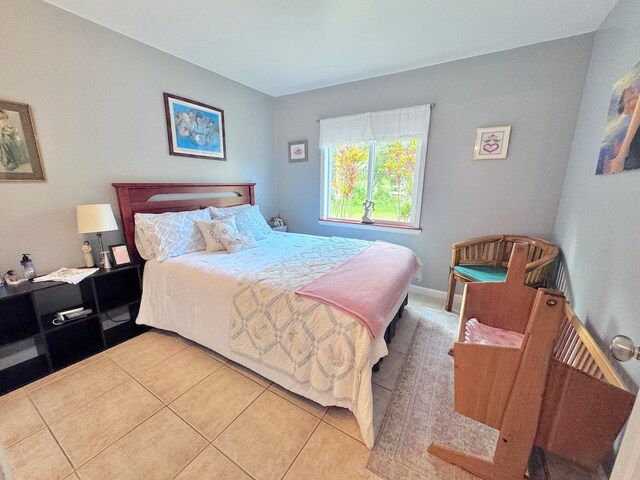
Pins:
x: 194, y: 294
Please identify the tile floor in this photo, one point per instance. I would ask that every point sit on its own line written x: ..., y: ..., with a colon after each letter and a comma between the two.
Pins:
x: 160, y: 407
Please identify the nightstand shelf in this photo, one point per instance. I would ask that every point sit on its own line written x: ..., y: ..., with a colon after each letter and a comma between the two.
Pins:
x: 31, y: 346
x: 13, y: 377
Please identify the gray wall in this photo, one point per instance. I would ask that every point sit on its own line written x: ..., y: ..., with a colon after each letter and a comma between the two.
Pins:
x: 96, y: 98
x: 536, y: 89
x: 598, y: 225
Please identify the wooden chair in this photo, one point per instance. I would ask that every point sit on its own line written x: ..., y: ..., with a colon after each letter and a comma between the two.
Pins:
x: 503, y: 386
x: 484, y: 259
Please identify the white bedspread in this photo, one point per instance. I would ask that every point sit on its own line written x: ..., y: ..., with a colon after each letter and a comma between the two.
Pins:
x: 193, y: 295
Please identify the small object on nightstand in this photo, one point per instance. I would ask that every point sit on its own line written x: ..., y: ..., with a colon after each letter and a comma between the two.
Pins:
x: 27, y: 266
x: 120, y: 254
x: 88, y: 257
x: 11, y: 278
x: 278, y: 224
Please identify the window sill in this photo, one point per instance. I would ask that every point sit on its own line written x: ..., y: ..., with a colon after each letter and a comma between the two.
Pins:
x: 380, y: 227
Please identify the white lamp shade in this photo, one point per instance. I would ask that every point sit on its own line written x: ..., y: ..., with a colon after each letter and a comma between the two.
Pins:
x: 95, y: 218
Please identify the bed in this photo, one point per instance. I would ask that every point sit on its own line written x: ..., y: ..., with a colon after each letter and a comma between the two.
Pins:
x: 229, y: 302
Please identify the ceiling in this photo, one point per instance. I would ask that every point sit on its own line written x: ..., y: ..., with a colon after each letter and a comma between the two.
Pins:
x: 286, y: 46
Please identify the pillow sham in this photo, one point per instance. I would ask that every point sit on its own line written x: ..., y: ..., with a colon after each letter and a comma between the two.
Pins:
x: 145, y: 250
x: 237, y: 243
x: 213, y: 230
x: 173, y: 233
x: 226, y: 211
x: 250, y: 222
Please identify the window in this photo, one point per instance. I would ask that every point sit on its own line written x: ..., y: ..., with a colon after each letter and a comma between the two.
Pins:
x: 377, y: 157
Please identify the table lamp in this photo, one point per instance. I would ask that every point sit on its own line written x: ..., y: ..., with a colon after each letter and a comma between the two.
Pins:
x: 97, y: 218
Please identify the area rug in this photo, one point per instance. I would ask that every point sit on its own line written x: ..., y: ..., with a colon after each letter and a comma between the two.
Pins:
x: 421, y: 412
x: 421, y: 409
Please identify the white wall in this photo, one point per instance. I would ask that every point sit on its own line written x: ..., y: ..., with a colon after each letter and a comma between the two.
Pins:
x: 536, y: 89
x: 598, y: 224
x: 96, y: 98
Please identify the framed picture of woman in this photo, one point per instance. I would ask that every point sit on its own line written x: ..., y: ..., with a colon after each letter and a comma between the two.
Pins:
x: 19, y: 153
x: 620, y: 147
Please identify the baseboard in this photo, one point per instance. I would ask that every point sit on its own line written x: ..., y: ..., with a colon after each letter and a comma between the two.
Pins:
x: 432, y: 292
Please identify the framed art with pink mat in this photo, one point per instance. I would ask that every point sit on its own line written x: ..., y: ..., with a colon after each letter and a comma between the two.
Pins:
x: 491, y: 143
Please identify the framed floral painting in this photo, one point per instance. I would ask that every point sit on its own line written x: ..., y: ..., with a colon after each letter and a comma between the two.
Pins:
x: 194, y: 129
x: 298, y: 151
x: 19, y: 153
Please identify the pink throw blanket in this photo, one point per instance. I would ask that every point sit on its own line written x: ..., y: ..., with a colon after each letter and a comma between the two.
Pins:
x: 368, y: 285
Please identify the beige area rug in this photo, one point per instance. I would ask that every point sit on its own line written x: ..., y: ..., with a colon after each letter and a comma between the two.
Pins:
x: 421, y: 411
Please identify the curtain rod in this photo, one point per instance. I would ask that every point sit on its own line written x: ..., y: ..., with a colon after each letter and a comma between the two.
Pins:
x: 432, y: 105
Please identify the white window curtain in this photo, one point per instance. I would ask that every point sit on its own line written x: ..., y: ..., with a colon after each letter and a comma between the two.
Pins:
x: 387, y: 125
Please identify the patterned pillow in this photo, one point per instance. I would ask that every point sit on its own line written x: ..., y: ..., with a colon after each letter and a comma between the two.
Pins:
x: 226, y: 211
x: 237, y: 243
x: 173, y: 233
x: 250, y: 222
x: 212, y: 230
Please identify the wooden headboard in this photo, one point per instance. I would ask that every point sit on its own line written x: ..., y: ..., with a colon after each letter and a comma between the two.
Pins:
x: 175, y: 197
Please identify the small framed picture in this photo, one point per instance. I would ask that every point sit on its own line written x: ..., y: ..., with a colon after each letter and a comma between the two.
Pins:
x: 491, y: 143
x: 120, y: 255
x: 298, y: 151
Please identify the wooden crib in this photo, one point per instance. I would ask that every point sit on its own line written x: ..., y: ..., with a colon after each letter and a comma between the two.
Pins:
x: 586, y: 402
x: 557, y: 390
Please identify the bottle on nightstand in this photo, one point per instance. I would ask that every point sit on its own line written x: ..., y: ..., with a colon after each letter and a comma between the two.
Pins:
x: 27, y: 267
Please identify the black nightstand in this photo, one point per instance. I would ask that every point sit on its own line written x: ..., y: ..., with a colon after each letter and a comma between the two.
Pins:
x: 31, y: 346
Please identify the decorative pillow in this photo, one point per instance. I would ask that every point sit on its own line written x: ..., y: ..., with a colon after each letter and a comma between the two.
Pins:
x: 212, y: 230
x: 226, y: 211
x: 173, y: 233
x: 237, y: 243
x: 250, y: 222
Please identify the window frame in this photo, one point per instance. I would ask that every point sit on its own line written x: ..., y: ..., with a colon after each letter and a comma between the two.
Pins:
x: 406, y: 227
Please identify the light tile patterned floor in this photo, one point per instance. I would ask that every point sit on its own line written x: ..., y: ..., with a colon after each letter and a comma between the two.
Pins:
x: 161, y: 407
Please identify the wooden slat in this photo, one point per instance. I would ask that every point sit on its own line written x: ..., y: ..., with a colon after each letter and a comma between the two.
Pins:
x: 575, y: 342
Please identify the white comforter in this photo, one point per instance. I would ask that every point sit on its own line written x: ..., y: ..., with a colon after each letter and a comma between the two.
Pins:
x: 193, y: 295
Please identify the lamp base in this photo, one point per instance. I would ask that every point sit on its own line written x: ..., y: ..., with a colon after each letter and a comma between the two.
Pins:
x: 104, y: 261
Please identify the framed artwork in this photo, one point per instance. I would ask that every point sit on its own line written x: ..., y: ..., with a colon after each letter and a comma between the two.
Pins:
x: 120, y: 255
x: 194, y: 129
x: 19, y: 153
x: 620, y: 148
x: 298, y: 151
x: 491, y: 143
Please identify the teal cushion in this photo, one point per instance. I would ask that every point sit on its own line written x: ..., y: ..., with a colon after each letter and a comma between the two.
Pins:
x: 482, y: 273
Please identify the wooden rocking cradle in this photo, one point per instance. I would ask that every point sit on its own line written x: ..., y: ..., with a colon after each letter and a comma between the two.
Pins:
x: 556, y: 391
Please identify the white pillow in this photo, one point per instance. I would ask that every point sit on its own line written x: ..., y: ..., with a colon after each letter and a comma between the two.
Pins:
x: 212, y: 230
x: 173, y: 233
x: 237, y: 243
x: 250, y: 222
x: 145, y: 250
x: 217, y: 212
